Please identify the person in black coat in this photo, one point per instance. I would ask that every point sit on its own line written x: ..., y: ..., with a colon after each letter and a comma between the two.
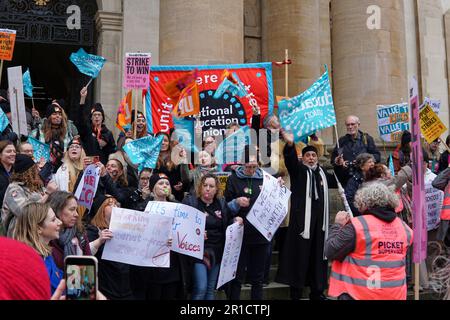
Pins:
x: 206, y: 271
x: 113, y: 277
x: 7, y: 159
x: 142, y: 195
x: 351, y: 145
x: 98, y: 140
x: 7, y: 133
x: 302, y: 262
x: 243, y: 188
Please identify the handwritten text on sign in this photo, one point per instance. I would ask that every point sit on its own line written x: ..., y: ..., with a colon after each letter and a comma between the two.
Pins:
x: 88, y: 186
x: 7, y: 40
x: 231, y: 253
x: 270, y: 208
x: 139, y: 239
x: 136, y: 69
x: 188, y: 228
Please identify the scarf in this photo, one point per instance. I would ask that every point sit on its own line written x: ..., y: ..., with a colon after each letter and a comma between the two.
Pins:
x: 65, y: 241
x: 310, y: 183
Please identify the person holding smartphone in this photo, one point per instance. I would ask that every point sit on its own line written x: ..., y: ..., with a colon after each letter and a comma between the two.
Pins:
x: 114, y: 277
x: 37, y: 226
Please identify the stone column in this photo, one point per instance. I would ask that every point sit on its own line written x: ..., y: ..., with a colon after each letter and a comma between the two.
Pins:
x: 369, y: 66
x: 292, y: 25
x: 433, y: 55
x: 109, y: 82
x: 201, y: 32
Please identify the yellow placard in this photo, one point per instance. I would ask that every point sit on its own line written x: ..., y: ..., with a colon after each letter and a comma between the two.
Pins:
x: 223, y: 178
x: 430, y: 124
x: 7, y: 40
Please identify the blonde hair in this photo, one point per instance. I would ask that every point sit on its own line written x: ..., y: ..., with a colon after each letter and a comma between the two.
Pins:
x: 74, y: 168
x: 27, y: 226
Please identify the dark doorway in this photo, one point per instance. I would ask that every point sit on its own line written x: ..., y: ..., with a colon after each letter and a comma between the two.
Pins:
x: 44, y: 44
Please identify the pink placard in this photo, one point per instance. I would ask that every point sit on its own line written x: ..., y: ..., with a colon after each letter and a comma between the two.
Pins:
x: 136, y: 68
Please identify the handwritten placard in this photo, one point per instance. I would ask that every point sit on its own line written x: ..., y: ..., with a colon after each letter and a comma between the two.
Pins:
x: 231, y: 253
x: 139, y: 238
x: 7, y: 41
x: 270, y: 208
x: 188, y: 229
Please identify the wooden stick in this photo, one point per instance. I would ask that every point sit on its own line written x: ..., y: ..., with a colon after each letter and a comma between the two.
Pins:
x: 337, y: 136
x: 135, y: 112
x: 286, y: 74
x: 1, y: 71
x: 89, y: 82
x: 17, y: 110
x: 416, y: 281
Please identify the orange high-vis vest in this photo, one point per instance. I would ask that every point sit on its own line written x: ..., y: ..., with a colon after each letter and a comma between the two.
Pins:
x: 445, y: 211
x: 376, y: 268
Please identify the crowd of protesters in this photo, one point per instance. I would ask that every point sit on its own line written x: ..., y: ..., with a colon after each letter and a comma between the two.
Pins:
x: 39, y: 208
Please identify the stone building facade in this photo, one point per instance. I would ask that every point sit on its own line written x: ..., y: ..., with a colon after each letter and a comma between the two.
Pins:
x: 370, y: 64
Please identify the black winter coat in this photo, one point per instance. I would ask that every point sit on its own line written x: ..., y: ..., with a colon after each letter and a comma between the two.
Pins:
x: 90, y: 143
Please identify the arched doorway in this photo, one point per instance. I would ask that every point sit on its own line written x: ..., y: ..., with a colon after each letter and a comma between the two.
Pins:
x: 44, y: 44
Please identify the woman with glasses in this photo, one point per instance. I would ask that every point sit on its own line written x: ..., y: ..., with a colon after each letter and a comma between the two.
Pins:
x: 142, y: 195
x: 113, y: 277
x: 74, y: 163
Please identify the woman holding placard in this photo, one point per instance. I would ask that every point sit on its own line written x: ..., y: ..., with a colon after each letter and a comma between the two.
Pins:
x: 208, y: 200
x: 149, y: 283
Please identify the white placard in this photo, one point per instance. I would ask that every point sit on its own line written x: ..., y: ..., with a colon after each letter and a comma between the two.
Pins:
x: 188, y: 230
x: 139, y: 238
x: 270, y: 208
x: 17, y: 101
x: 231, y: 253
x: 433, y: 202
x: 87, y: 187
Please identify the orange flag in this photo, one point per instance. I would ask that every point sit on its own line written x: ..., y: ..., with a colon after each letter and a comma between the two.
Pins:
x: 123, y: 120
x: 184, y: 92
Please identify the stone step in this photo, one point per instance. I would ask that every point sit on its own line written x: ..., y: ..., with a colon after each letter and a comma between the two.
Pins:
x: 274, y: 291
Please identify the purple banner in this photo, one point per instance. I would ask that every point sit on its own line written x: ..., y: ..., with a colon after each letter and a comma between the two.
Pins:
x: 418, y: 193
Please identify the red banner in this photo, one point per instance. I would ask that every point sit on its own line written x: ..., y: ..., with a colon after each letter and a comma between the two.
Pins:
x: 215, y: 114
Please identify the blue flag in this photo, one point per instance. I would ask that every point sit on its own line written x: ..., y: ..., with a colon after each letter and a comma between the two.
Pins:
x: 86, y: 63
x: 230, y: 149
x: 233, y: 88
x: 27, y: 86
x: 184, y: 132
x: 144, y: 151
x: 4, y: 121
x: 40, y: 150
x: 391, y: 165
x: 311, y: 111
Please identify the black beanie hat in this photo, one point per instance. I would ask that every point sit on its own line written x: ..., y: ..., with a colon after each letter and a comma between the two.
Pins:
x: 75, y: 140
x: 97, y: 107
x: 6, y: 107
x: 52, y: 108
x: 309, y: 148
x: 155, y: 178
x: 22, y: 163
x: 406, y: 137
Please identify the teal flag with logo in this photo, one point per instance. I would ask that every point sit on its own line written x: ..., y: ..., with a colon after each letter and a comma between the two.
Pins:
x: 231, y: 148
x: 311, y: 111
x: 40, y: 150
x: 144, y: 151
x: 27, y: 86
x: 184, y: 133
x: 86, y: 63
x: 4, y: 121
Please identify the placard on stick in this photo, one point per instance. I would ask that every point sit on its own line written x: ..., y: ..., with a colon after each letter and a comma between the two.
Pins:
x: 136, y: 68
x: 7, y: 41
x: 430, y: 124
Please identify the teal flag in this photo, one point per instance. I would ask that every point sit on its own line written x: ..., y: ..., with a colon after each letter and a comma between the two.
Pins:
x: 184, y: 133
x: 391, y: 165
x: 27, y: 86
x: 40, y: 150
x: 231, y: 148
x: 144, y: 151
x: 86, y: 63
x: 233, y: 88
x: 311, y: 111
x: 4, y: 121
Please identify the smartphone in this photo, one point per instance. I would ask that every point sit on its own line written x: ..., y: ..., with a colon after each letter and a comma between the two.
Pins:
x: 81, y: 277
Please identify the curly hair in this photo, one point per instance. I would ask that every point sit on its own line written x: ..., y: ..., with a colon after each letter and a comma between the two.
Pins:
x: 375, y: 195
x: 199, y: 187
x: 30, y: 178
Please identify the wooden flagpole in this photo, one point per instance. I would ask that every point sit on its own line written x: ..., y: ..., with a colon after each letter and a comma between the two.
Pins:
x: 1, y: 71
x: 135, y: 100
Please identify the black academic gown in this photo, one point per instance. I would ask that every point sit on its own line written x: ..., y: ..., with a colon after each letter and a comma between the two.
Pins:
x: 302, y: 263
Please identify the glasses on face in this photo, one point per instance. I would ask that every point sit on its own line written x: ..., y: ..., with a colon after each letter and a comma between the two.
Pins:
x: 251, y: 166
x: 351, y: 124
x: 75, y: 146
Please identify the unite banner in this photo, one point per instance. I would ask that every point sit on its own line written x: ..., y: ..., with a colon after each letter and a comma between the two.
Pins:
x: 215, y: 114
